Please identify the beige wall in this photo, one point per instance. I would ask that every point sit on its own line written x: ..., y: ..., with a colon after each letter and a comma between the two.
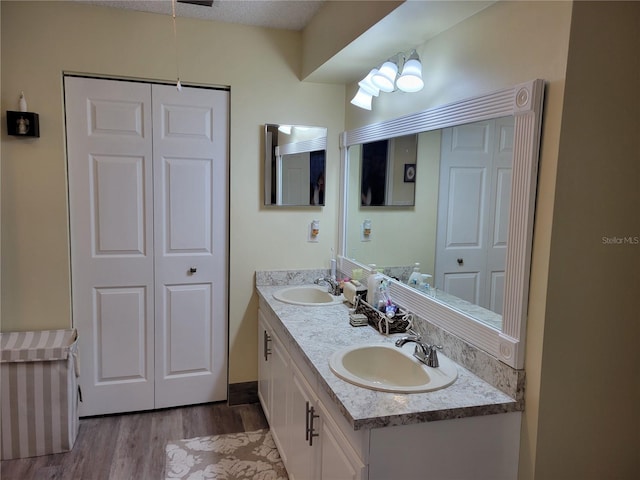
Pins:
x: 506, y: 44
x: 41, y: 40
x: 589, y: 418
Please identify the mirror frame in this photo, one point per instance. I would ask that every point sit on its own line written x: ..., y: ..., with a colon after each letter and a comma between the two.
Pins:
x: 524, y: 102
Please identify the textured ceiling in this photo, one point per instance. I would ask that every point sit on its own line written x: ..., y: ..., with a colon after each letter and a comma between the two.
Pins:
x: 284, y: 14
x: 411, y: 24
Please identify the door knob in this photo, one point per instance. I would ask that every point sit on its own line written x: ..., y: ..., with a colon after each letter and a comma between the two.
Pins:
x: 193, y: 270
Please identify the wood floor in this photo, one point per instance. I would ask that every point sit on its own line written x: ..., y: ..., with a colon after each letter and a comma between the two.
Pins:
x: 131, y: 446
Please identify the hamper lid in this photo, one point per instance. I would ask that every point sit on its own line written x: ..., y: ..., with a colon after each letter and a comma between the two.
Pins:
x: 37, y: 345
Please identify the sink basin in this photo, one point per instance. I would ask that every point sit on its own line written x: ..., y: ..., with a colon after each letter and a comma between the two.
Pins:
x: 310, y: 295
x: 391, y: 369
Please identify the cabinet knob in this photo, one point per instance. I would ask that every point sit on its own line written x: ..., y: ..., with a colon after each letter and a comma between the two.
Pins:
x: 460, y: 261
x: 193, y: 270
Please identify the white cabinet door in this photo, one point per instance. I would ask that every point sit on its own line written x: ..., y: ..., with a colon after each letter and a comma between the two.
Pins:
x: 338, y: 461
x: 280, y: 383
x: 264, y: 365
x: 303, y: 433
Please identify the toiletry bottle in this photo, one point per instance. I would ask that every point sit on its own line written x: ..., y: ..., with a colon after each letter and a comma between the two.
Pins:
x: 414, y: 278
x: 373, y: 284
x: 383, y: 297
x: 425, y: 283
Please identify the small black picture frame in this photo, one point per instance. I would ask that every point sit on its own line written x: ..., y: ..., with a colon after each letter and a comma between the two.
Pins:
x: 409, y: 173
x: 23, y: 124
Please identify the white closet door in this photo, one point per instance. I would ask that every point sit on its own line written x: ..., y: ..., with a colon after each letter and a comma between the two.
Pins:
x: 294, y: 178
x: 473, y: 211
x: 147, y: 205
x: 190, y: 152
x: 462, y: 220
x: 111, y: 211
x: 501, y: 173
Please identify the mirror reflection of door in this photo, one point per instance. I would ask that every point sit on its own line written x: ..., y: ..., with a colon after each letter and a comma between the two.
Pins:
x: 374, y: 173
x: 473, y: 211
x: 316, y: 170
x: 293, y: 176
x: 300, y: 178
x: 294, y: 165
x: 383, y: 179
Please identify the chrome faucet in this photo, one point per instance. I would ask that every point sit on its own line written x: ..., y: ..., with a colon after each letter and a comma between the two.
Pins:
x: 427, y: 354
x: 334, y: 287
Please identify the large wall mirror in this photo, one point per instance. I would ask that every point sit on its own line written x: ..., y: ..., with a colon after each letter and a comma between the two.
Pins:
x: 470, y: 227
x: 294, y: 165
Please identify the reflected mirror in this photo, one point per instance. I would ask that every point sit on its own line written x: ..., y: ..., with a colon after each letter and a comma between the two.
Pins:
x: 388, y: 172
x: 294, y: 165
x: 470, y: 228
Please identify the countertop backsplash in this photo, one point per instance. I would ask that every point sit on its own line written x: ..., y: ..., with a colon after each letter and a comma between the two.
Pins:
x: 289, y: 277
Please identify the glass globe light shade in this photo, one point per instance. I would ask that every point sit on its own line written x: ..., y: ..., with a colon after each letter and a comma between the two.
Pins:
x: 362, y: 99
x: 386, y: 76
x: 367, y: 85
x: 410, y: 79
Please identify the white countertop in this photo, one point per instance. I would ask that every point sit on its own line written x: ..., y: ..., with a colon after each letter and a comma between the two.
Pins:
x: 319, y: 331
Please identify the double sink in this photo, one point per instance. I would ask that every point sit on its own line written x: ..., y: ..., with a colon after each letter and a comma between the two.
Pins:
x: 376, y: 366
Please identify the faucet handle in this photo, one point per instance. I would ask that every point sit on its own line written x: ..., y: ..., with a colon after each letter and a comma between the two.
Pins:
x: 432, y: 355
x: 413, y: 334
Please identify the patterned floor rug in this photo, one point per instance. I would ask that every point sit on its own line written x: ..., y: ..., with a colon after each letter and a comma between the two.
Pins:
x: 236, y: 456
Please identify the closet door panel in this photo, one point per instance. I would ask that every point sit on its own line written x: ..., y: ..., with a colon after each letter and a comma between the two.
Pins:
x: 190, y: 190
x: 110, y: 214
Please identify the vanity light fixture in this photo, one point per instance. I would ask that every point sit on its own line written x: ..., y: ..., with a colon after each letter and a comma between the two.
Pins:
x: 386, y: 78
x: 366, y: 91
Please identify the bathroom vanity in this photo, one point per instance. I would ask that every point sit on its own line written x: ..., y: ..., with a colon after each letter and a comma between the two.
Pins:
x: 326, y: 428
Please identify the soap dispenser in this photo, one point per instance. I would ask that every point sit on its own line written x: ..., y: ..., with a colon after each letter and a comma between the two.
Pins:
x: 414, y: 278
x: 425, y: 283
